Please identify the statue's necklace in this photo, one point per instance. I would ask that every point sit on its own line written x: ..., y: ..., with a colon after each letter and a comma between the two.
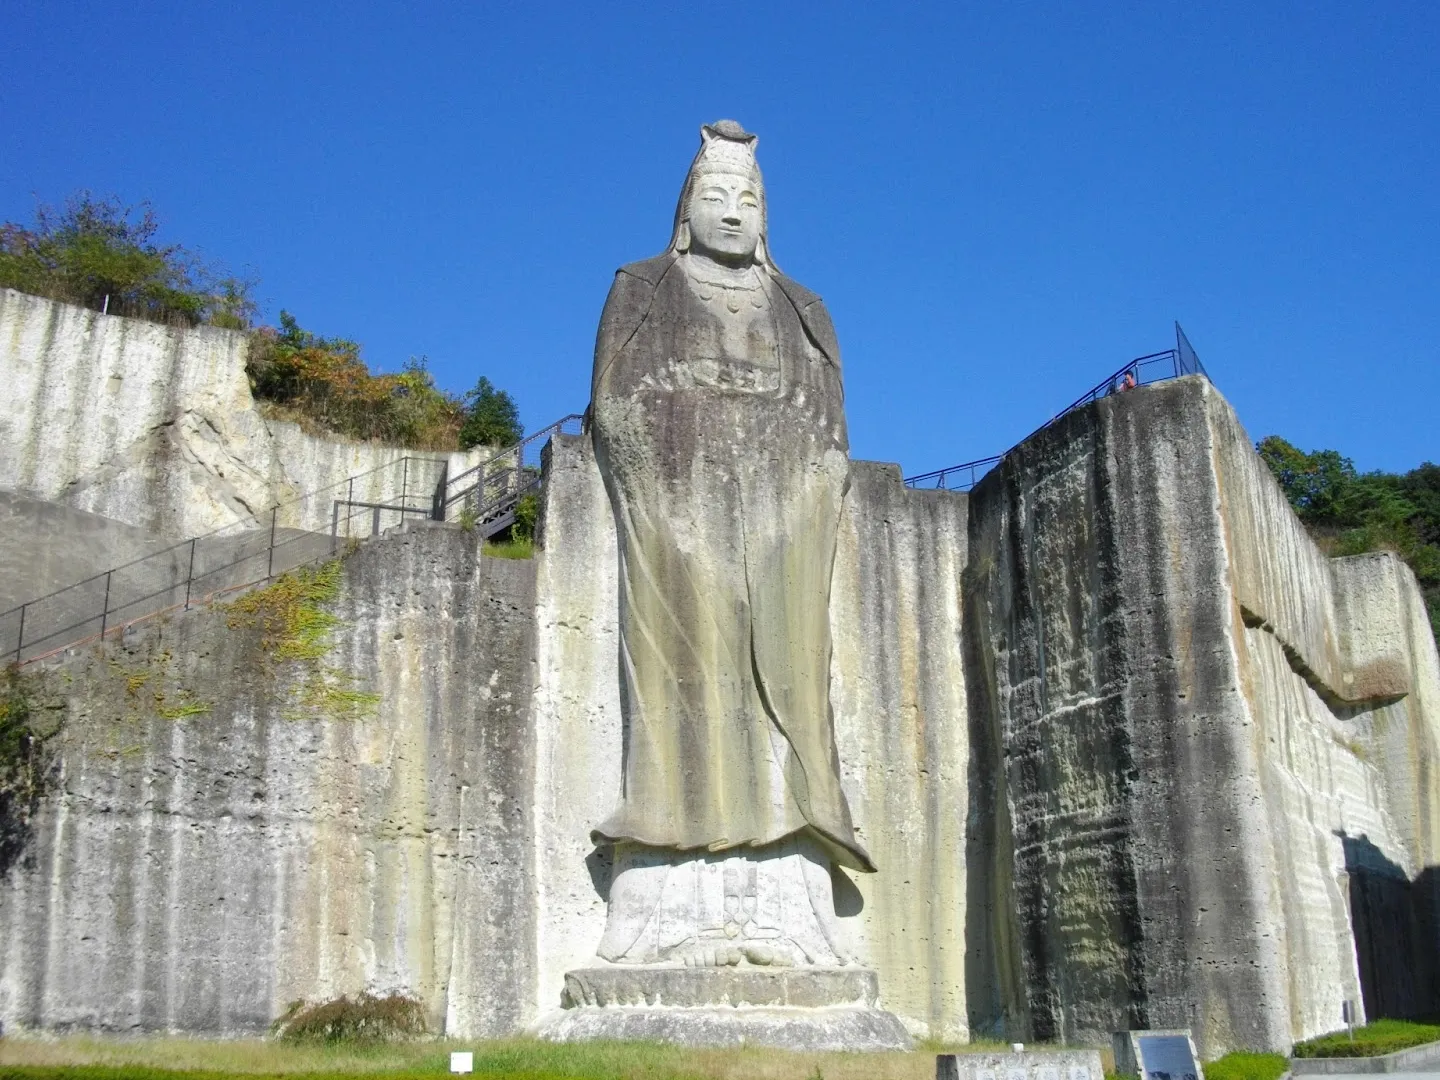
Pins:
x: 734, y: 288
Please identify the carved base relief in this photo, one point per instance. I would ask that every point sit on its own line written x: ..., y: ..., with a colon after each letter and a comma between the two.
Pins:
x: 770, y: 907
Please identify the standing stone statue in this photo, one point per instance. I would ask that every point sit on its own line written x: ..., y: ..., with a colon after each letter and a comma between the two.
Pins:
x: 719, y: 427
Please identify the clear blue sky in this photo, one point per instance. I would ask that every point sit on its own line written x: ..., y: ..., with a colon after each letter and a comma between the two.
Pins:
x: 1000, y: 203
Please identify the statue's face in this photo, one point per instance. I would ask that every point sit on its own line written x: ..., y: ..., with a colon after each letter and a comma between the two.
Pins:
x: 725, y: 218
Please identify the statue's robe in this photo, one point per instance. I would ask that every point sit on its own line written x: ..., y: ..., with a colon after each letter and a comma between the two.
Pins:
x: 719, y: 426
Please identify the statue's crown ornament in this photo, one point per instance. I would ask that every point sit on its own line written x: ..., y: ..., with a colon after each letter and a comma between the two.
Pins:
x: 725, y: 146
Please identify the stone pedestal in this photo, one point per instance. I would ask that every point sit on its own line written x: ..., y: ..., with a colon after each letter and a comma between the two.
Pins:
x: 791, y: 1008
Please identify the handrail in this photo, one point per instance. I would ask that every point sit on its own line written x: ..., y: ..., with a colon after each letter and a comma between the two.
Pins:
x: 496, y: 515
x: 452, y: 490
x: 1140, y: 372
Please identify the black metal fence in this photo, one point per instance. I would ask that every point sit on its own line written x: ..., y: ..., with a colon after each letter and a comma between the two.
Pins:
x: 296, y: 533
x: 488, y: 493
x: 234, y: 557
x: 1143, y: 370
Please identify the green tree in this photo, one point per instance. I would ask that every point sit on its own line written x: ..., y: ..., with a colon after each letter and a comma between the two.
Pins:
x: 1350, y: 513
x: 491, y: 417
x: 103, y: 254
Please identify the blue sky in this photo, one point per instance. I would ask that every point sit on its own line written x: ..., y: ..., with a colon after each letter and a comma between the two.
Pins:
x: 1000, y: 203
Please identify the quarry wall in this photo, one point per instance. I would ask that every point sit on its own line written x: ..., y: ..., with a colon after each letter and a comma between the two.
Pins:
x: 155, y: 426
x: 1126, y: 747
x: 228, y: 831
x: 1185, y: 716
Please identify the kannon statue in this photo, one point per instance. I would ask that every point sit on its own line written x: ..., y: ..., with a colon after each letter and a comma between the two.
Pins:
x: 718, y: 423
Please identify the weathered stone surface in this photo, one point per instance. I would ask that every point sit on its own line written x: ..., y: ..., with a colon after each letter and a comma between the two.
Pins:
x: 1179, y: 769
x: 215, y: 848
x: 155, y: 426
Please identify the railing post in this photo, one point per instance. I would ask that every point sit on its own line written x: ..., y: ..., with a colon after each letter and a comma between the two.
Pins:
x: 404, y: 480
x: 442, y: 489
x: 270, y: 554
x: 375, y: 521
x: 190, y: 575
x: 20, y: 637
x: 334, y: 525
x: 349, y: 506
x: 105, y: 607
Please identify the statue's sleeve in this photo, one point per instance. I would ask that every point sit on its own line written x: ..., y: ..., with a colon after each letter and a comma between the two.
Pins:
x: 625, y: 310
x: 814, y: 317
x: 817, y: 321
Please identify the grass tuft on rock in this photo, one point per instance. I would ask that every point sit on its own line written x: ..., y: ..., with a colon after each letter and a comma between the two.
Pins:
x: 511, y: 549
x: 365, y: 1019
x: 290, y: 613
x: 1372, y: 1040
x: 295, y: 627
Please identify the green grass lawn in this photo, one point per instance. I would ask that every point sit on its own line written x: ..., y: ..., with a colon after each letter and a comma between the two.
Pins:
x: 1372, y: 1040
x: 1243, y: 1065
x: 89, y: 1058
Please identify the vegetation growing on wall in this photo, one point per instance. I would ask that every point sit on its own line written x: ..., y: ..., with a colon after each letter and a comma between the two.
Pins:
x: 102, y: 254
x: 23, y: 770
x: 1349, y: 512
x: 295, y: 627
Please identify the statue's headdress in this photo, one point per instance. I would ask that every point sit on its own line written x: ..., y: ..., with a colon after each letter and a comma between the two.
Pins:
x: 725, y: 147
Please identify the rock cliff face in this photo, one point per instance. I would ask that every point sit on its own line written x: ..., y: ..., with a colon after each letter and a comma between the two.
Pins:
x: 1124, y: 745
x: 1186, y: 719
x: 228, y: 831
x: 155, y: 427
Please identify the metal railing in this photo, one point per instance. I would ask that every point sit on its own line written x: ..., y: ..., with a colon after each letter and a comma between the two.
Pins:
x: 292, y: 534
x: 489, y: 493
x: 1142, y: 371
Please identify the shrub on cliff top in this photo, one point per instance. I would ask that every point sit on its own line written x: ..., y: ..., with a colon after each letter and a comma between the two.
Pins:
x: 1349, y: 512
x: 102, y: 254
x: 365, y: 1019
x: 324, y: 380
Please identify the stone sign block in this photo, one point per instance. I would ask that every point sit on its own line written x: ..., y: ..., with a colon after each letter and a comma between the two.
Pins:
x: 1026, y: 1065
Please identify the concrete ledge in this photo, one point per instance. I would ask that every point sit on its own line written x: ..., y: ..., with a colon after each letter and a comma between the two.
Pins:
x: 846, y: 1027
x: 1412, y: 1059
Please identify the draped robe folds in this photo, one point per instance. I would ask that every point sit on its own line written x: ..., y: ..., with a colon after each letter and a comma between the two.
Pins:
x: 718, y: 421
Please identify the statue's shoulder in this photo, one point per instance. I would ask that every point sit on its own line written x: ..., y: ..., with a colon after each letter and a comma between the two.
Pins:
x: 649, y: 271
x: 799, y: 295
x: 813, y: 314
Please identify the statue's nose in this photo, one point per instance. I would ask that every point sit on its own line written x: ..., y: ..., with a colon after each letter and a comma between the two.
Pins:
x: 732, y: 216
